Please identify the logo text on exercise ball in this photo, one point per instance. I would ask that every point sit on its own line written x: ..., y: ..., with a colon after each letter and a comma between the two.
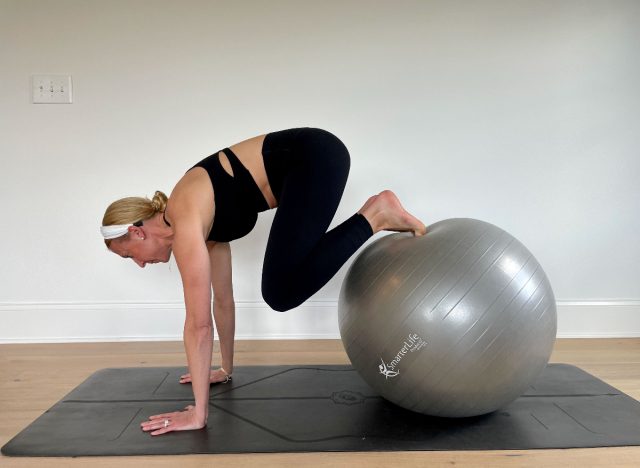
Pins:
x: 411, y: 344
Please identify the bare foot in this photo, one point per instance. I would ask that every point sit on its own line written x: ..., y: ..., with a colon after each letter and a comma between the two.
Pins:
x: 385, y: 213
x: 216, y: 376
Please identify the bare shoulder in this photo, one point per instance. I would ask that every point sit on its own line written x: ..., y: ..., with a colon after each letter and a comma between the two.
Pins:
x: 192, y: 201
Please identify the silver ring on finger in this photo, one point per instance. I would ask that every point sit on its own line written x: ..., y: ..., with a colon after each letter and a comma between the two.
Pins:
x: 166, y: 422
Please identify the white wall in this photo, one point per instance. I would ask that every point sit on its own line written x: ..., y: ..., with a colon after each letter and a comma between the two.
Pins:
x: 525, y: 114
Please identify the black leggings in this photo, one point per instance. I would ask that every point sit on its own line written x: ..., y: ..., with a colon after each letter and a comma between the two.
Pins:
x: 307, y: 170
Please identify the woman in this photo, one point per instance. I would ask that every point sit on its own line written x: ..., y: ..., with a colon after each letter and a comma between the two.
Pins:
x: 302, y: 172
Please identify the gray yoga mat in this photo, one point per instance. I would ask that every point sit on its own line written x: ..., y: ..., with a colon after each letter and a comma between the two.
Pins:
x: 319, y: 408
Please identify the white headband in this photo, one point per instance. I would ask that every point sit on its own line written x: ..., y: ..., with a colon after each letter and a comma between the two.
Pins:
x: 116, y: 230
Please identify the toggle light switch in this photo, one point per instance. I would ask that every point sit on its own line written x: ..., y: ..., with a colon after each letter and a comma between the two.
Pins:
x: 51, y: 89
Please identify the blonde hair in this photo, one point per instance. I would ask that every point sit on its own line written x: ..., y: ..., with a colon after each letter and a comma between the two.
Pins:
x: 131, y: 210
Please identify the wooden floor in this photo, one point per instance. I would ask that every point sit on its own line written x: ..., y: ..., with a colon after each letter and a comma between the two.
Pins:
x: 34, y: 377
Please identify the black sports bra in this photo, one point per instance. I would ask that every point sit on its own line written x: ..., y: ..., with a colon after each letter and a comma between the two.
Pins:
x: 237, y: 197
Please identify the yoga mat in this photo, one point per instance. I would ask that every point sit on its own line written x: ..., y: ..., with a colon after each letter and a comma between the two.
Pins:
x: 319, y: 408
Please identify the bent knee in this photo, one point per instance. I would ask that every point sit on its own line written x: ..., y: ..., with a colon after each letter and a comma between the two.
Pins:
x: 277, y: 304
x: 278, y: 299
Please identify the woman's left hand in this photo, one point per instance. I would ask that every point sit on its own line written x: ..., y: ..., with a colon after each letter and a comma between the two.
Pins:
x: 185, y: 420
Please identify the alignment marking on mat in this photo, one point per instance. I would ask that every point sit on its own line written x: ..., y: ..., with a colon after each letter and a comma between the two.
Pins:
x: 128, y: 424
x: 273, y: 433
x: 543, y: 424
x: 581, y: 395
x: 288, y: 439
x: 284, y: 372
x: 370, y: 397
x: 160, y: 384
x: 375, y: 397
x: 214, y: 398
x: 578, y: 422
x: 230, y: 389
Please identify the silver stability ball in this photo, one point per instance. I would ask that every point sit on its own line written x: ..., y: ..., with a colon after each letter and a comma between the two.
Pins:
x: 455, y: 323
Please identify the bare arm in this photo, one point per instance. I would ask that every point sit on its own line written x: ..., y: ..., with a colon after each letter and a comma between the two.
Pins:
x: 191, y: 255
x: 224, y: 312
x: 191, y: 218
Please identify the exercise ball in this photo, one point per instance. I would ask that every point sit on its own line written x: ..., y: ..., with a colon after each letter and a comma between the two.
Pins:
x: 455, y: 323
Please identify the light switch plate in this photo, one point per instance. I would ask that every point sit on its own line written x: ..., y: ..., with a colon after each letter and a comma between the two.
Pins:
x: 51, y: 89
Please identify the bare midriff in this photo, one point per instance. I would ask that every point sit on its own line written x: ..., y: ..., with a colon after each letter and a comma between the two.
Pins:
x: 249, y: 152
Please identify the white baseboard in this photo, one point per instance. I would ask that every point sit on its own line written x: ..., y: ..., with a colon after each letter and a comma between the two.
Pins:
x: 104, y: 322
x: 146, y: 321
x: 598, y: 319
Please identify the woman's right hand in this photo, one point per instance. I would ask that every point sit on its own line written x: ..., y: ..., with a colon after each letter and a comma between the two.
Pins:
x: 215, y: 376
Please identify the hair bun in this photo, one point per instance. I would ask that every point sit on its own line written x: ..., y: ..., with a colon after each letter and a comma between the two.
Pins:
x: 159, y: 201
